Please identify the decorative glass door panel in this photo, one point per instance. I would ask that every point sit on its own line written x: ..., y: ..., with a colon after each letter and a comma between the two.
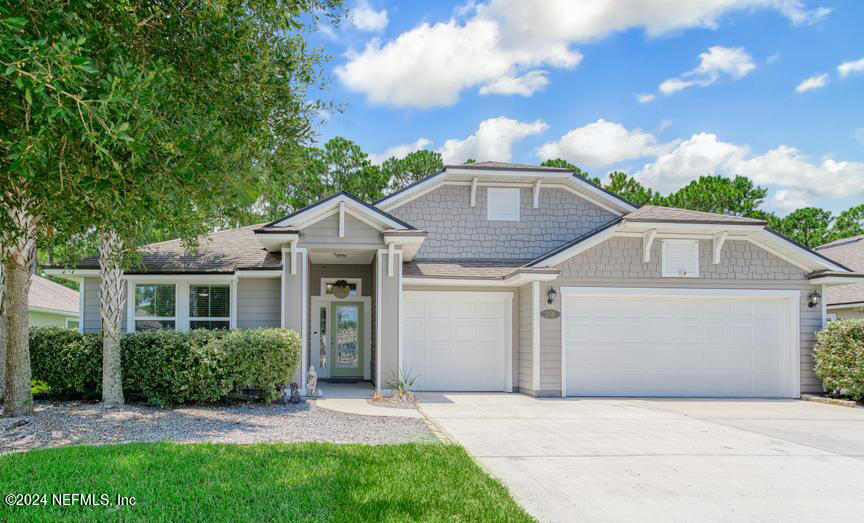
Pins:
x: 346, y: 339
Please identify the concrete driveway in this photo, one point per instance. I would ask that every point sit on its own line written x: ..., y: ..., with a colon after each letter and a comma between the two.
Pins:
x: 664, y: 459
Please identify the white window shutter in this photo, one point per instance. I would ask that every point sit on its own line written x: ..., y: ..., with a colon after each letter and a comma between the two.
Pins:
x: 680, y: 259
x: 502, y: 204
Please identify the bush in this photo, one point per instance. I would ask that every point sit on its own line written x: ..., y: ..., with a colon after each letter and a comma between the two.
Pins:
x: 839, y: 356
x: 168, y: 367
x: 70, y: 364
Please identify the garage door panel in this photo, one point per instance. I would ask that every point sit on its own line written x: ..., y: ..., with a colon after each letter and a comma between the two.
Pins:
x: 679, y: 345
x: 464, y: 347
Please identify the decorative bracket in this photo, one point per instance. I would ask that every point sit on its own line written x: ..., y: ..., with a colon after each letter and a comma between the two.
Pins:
x: 537, y: 194
x: 474, y: 192
x: 647, y: 241
x: 719, y: 241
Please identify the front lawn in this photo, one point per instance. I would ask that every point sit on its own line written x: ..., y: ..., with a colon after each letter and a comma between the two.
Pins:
x: 261, y: 482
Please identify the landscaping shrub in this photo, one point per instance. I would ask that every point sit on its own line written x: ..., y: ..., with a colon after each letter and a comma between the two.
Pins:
x: 839, y: 356
x: 69, y: 363
x: 168, y: 367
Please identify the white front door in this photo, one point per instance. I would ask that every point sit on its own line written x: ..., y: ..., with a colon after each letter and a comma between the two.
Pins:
x: 680, y: 342
x: 457, y: 341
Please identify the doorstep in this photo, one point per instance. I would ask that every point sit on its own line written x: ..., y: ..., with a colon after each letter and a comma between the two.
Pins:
x: 351, y: 398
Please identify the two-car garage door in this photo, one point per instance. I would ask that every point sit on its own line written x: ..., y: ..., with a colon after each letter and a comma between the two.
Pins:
x: 457, y: 341
x: 667, y: 342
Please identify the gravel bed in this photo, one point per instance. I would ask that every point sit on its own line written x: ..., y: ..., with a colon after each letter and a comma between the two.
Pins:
x: 58, y: 423
x: 393, y: 404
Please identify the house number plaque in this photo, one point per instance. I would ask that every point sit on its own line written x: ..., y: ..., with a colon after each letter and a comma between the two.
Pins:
x: 550, y: 314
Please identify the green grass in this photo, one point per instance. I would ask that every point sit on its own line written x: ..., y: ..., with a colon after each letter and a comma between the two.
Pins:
x: 262, y: 482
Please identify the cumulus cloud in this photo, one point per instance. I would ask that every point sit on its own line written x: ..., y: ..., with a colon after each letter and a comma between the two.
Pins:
x: 717, y: 62
x: 431, y: 64
x: 493, y: 140
x: 400, y: 151
x: 644, y: 98
x: 814, y: 82
x: 850, y: 67
x: 365, y: 18
x: 602, y: 143
x: 787, y: 200
x: 524, y: 85
x: 785, y: 167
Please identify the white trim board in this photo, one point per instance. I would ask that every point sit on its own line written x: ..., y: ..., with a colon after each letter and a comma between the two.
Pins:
x: 791, y: 297
x: 322, y: 210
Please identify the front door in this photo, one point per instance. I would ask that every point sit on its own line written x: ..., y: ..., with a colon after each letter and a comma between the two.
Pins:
x: 346, y: 335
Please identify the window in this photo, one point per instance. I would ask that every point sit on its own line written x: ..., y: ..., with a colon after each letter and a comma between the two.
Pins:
x: 680, y: 259
x: 71, y: 324
x: 155, y: 306
x: 502, y: 204
x: 209, y: 306
x: 355, y: 287
x: 830, y: 317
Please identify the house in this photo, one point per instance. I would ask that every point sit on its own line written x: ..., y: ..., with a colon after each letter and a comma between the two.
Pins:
x: 52, y: 304
x: 846, y: 301
x: 503, y: 277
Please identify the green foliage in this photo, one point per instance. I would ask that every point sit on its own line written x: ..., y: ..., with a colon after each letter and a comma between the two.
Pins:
x: 168, y: 367
x: 69, y: 363
x: 808, y: 226
x: 402, y: 384
x: 717, y: 194
x: 849, y: 223
x: 839, y: 358
x: 564, y: 164
x: 627, y: 187
x: 402, y: 172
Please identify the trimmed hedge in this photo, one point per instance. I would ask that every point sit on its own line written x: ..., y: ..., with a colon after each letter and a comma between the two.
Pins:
x: 168, y: 367
x: 839, y: 356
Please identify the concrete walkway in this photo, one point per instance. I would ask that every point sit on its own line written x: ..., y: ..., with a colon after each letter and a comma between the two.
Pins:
x: 664, y: 460
x: 351, y: 399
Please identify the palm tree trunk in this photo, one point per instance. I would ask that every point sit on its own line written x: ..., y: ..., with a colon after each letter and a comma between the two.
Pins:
x: 2, y: 333
x: 112, y: 298
x: 19, y: 259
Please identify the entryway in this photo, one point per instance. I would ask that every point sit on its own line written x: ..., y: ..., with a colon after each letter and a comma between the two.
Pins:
x: 341, y: 337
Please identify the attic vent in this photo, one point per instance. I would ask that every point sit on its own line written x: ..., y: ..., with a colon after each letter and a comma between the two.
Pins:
x: 680, y: 259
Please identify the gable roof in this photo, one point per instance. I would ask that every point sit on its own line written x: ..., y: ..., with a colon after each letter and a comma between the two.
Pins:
x: 48, y: 295
x: 655, y: 213
x: 506, y: 166
x: 849, y: 252
x: 320, y: 209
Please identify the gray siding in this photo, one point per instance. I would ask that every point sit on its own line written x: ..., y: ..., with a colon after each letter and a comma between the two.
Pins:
x: 618, y: 263
x: 90, y: 315
x: 258, y: 302
x: 459, y: 231
x: 387, y: 354
x: 848, y: 314
x: 326, y: 231
x: 364, y: 272
x: 525, y: 361
x: 373, y: 355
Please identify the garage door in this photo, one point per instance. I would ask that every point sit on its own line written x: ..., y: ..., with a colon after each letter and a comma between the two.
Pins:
x: 666, y: 342
x: 457, y: 341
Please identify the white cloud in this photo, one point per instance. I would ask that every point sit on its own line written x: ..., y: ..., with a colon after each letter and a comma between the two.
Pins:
x: 772, y: 58
x: 852, y: 66
x: 787, y: 200
x: 664, y: 124
x: 644, y: 98
x: 784, y: 167
x: 602, y: 143
x: 524, y: 85
x: 431, y: 64
x: 859, y: 135
x: 814, y: 82
x: 733, y: 62
x: 493, y: 140
x: 400, y: 151
x: 366, y: 18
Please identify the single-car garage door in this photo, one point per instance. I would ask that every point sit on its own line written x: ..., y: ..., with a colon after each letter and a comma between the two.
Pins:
x: 457, y: 341
x: 680, y: 342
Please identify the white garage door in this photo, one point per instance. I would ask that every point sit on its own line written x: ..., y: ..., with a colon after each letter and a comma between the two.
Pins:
x: 457, y: 341
x: 680, y: 343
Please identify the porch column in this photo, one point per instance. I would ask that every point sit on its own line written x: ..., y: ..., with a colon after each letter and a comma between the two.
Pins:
x: 295, y: 297
x: 388, y: 330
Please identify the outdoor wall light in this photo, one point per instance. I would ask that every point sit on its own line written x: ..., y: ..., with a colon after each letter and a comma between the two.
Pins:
x: 814, y: 299
x: 551, y: 295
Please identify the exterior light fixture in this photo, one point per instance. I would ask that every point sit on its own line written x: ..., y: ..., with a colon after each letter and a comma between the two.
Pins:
x: 551, y: 295
x: 341, y: 289
x: 814, y: 299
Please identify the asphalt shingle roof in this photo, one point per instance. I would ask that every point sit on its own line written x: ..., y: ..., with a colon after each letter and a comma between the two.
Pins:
x: 46, y: 294
x: 655, y: 213
x: 510, y: 166
x: 849, y: 252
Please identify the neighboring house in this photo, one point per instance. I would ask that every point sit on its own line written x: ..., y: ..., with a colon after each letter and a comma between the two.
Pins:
x: 52, y: 304
x: 846, y: 301
x: 504, y: 277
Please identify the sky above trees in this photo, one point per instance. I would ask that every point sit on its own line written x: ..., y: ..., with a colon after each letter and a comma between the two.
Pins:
x: 768, y: 89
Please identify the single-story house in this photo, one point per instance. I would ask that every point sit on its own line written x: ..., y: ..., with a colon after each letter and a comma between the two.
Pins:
x: 504, y: 277
x: 846, y: 301
x: 52, y: 304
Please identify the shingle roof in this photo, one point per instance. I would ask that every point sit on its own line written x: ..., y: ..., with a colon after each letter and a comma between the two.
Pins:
x: 655, y: 213
x: 508, y: 166
x: 222, y: 251
x: 46, y: 294
x: 849, y: 252
x: 467, y: 269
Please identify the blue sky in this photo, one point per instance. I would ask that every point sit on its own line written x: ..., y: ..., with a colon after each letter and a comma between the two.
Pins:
x: 666, y: 90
